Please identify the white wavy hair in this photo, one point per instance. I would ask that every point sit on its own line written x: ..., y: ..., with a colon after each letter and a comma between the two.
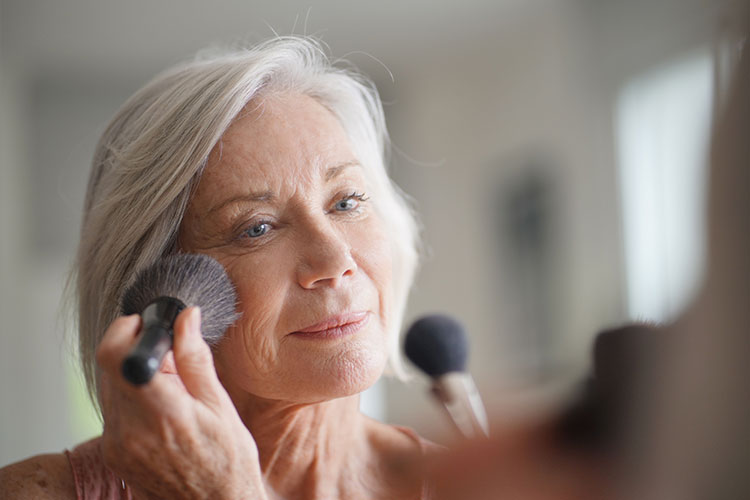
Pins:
x: 151, y: 156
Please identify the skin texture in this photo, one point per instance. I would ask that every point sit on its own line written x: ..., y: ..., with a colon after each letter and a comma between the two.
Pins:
x: 43, y: 476
x: 314, y: 261
x: 269, y: 413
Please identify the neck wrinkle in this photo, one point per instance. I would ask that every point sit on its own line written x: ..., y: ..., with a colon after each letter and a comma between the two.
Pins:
x: 307, y: 447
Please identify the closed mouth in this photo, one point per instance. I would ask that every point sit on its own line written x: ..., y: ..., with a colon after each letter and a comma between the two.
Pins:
x: 335, y: 326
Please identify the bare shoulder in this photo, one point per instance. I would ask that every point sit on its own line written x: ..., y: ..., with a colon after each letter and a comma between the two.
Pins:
x: 39, y: 477
x: 398, y: 457
x: 390, y: 439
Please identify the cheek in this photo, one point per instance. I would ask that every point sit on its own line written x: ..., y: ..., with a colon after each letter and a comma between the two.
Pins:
x: 375, y: 256
x: 252, y: 342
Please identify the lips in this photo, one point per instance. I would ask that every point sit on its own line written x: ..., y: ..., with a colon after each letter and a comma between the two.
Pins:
x: 335, y: 326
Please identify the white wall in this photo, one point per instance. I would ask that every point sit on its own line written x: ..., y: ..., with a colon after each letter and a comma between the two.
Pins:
x: 50, y: 125
x: 32, y: 386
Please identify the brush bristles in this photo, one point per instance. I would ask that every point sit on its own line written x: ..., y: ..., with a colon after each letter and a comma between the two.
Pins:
x: 196, y: 280
x: 437, y: 345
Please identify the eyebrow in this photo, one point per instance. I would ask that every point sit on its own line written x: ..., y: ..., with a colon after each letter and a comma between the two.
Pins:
x: 330, y: 174
x: 335, y: 170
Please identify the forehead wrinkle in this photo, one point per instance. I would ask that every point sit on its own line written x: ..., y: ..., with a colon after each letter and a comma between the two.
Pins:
x: 313, y: 155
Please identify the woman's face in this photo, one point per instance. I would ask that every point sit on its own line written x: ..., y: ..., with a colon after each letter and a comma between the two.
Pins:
x: 284, y: 205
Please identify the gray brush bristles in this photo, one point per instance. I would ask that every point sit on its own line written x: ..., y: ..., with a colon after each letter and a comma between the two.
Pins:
x: 196, y: 280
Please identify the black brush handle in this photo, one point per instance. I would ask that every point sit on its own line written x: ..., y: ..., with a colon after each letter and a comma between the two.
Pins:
x: 154, y: 341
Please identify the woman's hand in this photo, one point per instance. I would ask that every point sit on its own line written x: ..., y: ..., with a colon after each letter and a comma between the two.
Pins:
x: 178, y: 436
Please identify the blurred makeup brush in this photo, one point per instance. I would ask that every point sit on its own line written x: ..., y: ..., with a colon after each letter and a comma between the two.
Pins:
x: 438, y: 346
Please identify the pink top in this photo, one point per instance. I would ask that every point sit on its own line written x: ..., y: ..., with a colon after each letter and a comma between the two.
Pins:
x: 93, y: 480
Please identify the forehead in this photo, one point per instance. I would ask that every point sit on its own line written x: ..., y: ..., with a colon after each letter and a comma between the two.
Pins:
x: 289, y: 133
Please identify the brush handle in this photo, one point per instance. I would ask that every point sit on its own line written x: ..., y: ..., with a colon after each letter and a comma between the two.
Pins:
x: 154, y: 341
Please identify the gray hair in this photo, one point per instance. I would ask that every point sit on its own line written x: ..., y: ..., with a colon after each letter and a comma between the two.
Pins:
x: 151, y: 155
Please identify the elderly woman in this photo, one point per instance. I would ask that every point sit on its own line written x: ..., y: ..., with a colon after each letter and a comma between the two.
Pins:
x: 270, y: 160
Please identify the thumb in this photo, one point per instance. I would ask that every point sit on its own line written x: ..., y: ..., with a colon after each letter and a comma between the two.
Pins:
x: 193, y: 359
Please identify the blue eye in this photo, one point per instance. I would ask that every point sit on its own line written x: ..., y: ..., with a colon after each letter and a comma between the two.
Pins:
x: 257, y: 230
x: 346, y: 204
x: 350, y: 202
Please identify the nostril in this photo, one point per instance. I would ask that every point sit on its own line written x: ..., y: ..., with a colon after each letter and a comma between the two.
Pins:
x: 328, y: 271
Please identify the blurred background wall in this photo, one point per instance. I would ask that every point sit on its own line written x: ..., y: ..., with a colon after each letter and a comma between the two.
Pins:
x: 558, y: 195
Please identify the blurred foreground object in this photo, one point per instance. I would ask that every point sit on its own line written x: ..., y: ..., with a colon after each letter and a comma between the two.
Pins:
x: 521, y: 462
x: 566, y: 455
x: 693, y: 442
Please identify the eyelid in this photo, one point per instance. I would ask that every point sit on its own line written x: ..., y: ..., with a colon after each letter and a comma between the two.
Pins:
x: 249, y: 223
x: 360, y: 196
x: 353, y: 194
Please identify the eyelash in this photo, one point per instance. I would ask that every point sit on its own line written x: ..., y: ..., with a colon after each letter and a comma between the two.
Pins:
x: 354, y: 195
x: 361, y: 197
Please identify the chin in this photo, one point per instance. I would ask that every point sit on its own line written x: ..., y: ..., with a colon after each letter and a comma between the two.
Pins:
x: 355, y: 376
x: 348, y: 373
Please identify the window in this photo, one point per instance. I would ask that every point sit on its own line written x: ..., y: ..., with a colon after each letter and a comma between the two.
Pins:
x: 662, y: 126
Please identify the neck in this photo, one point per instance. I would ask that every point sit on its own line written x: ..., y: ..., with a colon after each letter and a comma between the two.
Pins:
x: 307, y: 448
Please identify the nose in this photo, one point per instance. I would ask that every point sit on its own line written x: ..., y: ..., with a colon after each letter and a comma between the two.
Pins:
x: 326, y: 257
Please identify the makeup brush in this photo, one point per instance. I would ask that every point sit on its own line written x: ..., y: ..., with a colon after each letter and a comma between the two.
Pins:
x: 438, y: 346
x: 160, y: 292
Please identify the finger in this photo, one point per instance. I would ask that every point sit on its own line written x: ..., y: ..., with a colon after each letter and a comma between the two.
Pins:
x: 116, y: 342
x: 168, y: 372
x: 193, y: 359
x: 113, y: 348
x: 167, y: 365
